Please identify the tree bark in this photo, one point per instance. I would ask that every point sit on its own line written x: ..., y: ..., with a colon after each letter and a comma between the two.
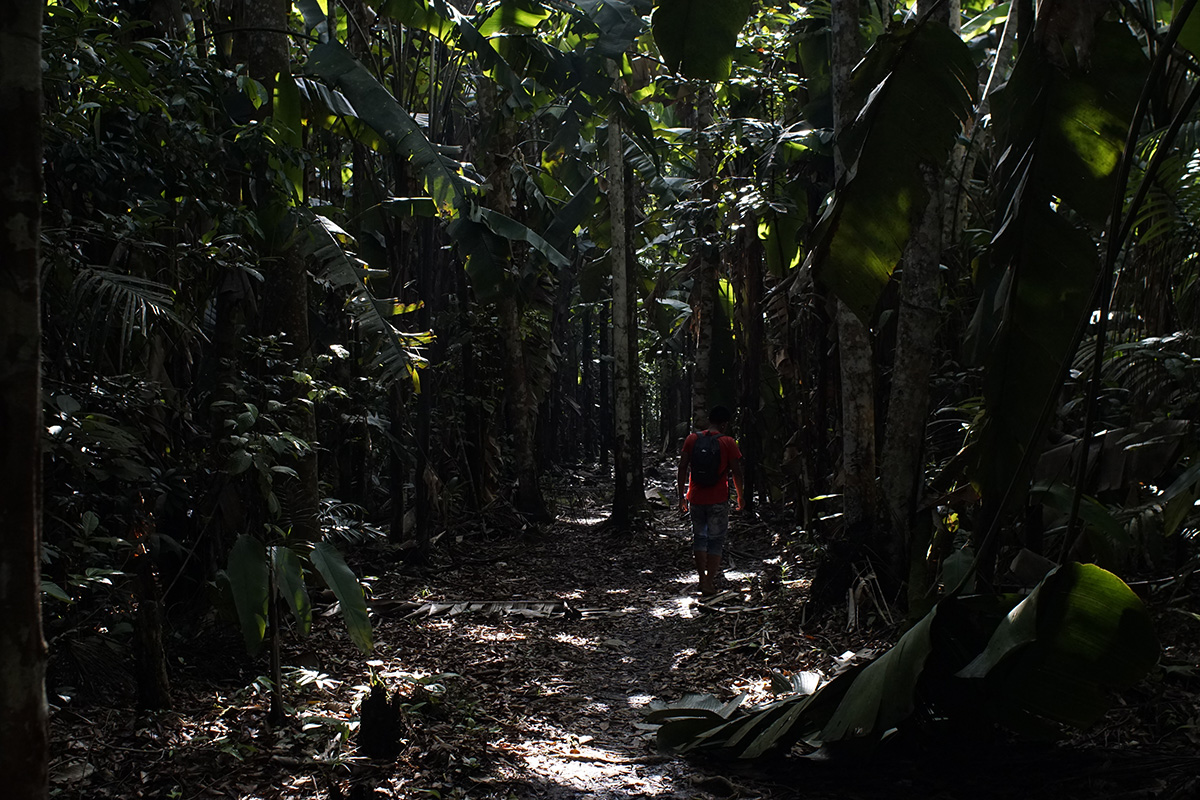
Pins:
x: 624, y: 326
x: 522, y: 411
x: 24, y: 730
x: 854, y: 340
x: 520, y: 400
x: 706, y: 275
x: 901, y: 463
x: 751, y: 400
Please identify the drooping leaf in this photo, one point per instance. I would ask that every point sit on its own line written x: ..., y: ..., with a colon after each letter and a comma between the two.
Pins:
x: 249, y: 582
x: 919, y: 83
x: 315, y: 20
x: 1081, y: 633
x: 52, y: 589
x: 289, y: 577
x: 510, y: 229
x: 1189, y: 37
x: 342, y: 581
x: 286, y: 113
x: 1062, y: 133
x: 442, y: 175
x: 487, y: 256
x: 697, y: 37
x: 513, y: 15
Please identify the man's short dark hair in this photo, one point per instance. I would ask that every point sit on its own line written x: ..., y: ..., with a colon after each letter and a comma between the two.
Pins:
x: 719, y: 415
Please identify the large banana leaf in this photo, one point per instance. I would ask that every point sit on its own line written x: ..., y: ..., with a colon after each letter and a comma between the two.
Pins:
x: 376, y: 107
x: 697, y: 37
x: 289, y: 578
x: 1079, y: 634
x: 919, y: 83
x: 249, y: 581
x: 346, y: 588
x: 1062, y: 133
x: 1046, y: 660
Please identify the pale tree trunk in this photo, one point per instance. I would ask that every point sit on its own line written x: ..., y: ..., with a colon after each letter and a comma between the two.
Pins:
x: 902, y: 464
x: 624, y: 328
x: 24, y: 732
x: 854, y: 340
x: 706, y: 273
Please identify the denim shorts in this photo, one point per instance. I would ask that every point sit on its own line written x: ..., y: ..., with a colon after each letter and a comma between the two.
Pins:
x: 709, y: 525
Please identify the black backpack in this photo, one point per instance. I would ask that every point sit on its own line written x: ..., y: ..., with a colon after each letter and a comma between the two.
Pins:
x: 706, y: 459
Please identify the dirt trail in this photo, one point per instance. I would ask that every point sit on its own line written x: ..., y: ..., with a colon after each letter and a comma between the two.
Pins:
x: 569, y: 692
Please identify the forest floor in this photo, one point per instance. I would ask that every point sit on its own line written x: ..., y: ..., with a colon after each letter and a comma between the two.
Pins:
x: 524, y: 661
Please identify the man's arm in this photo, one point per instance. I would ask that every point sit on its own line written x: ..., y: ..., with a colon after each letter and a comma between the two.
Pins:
x: 685, y: 459
x: 739, y: 476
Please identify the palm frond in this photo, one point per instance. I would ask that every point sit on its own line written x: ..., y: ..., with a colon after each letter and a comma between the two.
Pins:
x: 398, y: 352
x: 106, y: 301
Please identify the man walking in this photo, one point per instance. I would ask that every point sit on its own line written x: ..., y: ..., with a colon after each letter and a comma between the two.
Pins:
x: 705, y: 464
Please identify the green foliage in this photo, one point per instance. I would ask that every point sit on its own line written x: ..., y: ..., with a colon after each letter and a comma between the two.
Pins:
x: 254, y: 567
x: 345, y: 586
x: 697, y: 37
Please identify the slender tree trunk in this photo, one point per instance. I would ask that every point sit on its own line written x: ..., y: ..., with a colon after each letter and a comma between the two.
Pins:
x: 522, y: 411
x: 605, y: 420
x: 706, y: 276
x: 153, y: 683
x: 901, y: 463
x: 267, y: 57
x: 751, y: 400
x: 24, y: 732
x: 586, y: 395
x: 397, y: 464
x: 637, y: 421
x: 521, y: 402
x: 624, y: 327
x: 854, y: 340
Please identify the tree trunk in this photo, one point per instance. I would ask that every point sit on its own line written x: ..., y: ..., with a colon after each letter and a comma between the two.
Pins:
x: 24, y: 732
x: 901, y: 466
x: 585, y: 398
x: 521, y: 402
x: 706, y: 275
x: 901, y: 463
x: 605, y: 419
x: 854, y: 340
x: 153, y: 683
x: 522, y: 411
x: 624, y: 327
x: 751, y: 400
x: 286, y: 279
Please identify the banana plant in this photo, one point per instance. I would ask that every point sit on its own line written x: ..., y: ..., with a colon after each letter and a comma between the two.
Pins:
x: 261, y: 573
x: 1033, y: 665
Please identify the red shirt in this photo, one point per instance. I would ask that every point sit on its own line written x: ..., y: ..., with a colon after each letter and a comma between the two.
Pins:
x: 719, y: 491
